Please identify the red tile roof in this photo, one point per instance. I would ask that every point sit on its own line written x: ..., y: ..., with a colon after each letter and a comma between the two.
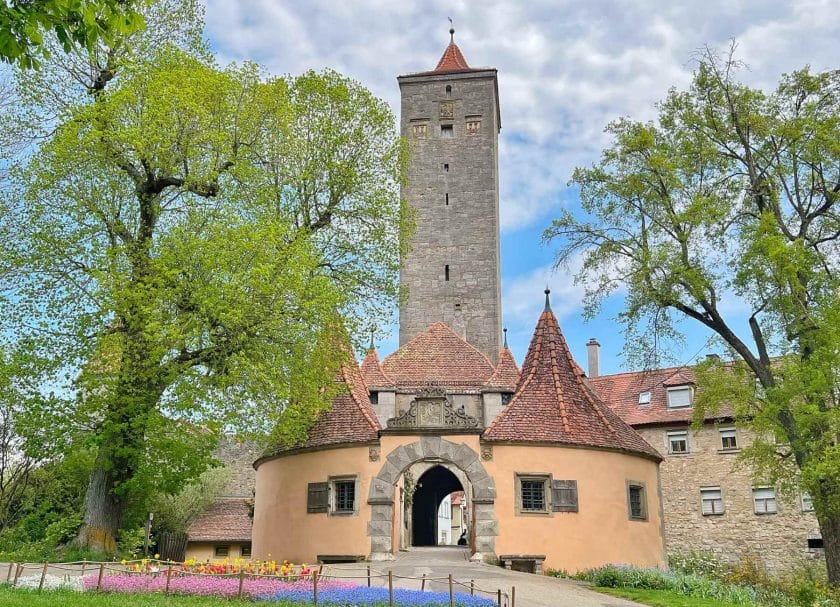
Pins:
x: 506, y: 375
x: 223, y: 521
x: 351, y: 418
x: 621, y: 392
x: 452, y: 60
x: 372, y: 372
x: 553, y: 405
x: 438, y: 356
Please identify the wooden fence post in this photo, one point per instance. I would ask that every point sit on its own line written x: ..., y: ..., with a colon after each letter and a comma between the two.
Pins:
x: 43, y: 575
x: 315, y: 587
x: 241, y: 582
x: 18, y: 571
x: 168, y: 576
x: 423, y: 584
x: 99, y: 579
x: 451, y: 595
x: 513, y: 596
x: 84, y: 562
x: 9, y: 574
x: 499, y: 600
x: 368, y: 570
x: 390, y: 588
x: 472, y: 587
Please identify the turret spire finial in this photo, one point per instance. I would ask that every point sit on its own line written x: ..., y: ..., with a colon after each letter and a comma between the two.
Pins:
x: 371, y: 338
x: 547, y: 302
x: 505, y: 332
x: 451, y: 31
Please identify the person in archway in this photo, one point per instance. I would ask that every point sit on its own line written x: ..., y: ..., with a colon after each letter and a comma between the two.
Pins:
x: 462, y: 541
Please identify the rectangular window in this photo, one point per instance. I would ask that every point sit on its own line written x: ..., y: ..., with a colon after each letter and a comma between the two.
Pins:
x: 679, y: 397
x: 345, y: 496
x: 318, y: 495
x: 807, y: 502
x: 644, y: 398
x: 446, y: 272
x: 815, y: 543
x: 637, y: 501
x: 564, y: 496
x: 533, y: 495
x: 222, y: 551
x: 374, y: 398
x: 678, y: 442
x: 711, y: 500
x: 764, y: 500
x: 728, y: 440
x: 246, y: 550
x: 446, y: 131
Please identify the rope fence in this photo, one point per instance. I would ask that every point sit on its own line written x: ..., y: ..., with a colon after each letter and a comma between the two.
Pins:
x: 316, y: 578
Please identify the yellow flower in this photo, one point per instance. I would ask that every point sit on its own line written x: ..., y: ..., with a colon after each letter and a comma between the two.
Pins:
x: 157, y: 556
x: 122, y: 562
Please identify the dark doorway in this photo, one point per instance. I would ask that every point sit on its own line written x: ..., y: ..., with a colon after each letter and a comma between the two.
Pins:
x: 434, y: 485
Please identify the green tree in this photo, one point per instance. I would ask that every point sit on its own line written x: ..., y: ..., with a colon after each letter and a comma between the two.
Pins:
x: 74, y: 23
x: 184, y: 245
x: 732, y: 194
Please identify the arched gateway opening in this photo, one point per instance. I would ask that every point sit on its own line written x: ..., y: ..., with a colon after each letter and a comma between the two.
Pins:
x: 484, y: 526
x: 427, y: 518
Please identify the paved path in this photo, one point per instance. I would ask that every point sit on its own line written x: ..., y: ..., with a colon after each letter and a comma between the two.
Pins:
x: 531, y: 590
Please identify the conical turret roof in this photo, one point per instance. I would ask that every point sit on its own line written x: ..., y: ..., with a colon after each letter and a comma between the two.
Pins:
x: 372, y: 372
x: 506, y: 375
x: 553, y: 405
x: 452, y: 60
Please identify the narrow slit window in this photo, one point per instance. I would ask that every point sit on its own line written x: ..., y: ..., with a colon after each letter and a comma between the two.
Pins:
x: 447, y: 199
x: 446, y: 167
x: 448, y: 92
x: 446, y: 272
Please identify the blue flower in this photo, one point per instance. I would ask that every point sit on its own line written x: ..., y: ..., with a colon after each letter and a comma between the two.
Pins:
x: 362, y: 596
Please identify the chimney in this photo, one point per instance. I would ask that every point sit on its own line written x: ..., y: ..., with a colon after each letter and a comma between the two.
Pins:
x: 593, y: 357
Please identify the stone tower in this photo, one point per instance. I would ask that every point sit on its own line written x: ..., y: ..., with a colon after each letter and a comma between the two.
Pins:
x: 450, y: 118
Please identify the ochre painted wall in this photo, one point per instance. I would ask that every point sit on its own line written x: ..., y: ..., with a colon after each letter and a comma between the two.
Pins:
x: 206, y: 551
x: 601, y: 531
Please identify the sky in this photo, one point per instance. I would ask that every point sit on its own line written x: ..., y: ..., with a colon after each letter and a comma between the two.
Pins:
x: 566, y: 69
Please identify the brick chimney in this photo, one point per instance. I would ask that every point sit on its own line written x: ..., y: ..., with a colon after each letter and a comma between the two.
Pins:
x: 593, y: 357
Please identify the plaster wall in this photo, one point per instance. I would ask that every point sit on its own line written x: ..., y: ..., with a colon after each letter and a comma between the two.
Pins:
x: 206, y: 551
x: 601, y: 531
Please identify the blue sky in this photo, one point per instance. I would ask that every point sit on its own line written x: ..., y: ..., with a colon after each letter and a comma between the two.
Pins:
x: 565, y: 70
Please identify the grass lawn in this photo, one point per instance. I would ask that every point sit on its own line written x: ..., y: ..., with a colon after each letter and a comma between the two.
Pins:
x: 663, y: 598
x: 67, y: 598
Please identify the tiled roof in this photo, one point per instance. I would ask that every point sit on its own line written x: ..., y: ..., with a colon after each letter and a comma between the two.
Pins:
x: 351, y: 418
x: 553, y: 405
x: 506, y: 374
x: 438, y: 356
x: 223, y: 521
x: 621, y: 392
x: 452, y: 60
x: 372, y: 372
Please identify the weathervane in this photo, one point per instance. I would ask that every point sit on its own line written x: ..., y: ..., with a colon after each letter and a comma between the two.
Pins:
x: 451, y: 30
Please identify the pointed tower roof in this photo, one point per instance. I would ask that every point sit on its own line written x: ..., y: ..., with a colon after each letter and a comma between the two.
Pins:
x: 441, y: 357
x: 452, y: 59
x: 372, y: 372
x: 506, y: 375
x: 553, y: 405
x: 351, y: 418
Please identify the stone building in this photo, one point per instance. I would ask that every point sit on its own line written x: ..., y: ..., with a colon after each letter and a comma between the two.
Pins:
x: 550, y: 475
x: 710, y: 503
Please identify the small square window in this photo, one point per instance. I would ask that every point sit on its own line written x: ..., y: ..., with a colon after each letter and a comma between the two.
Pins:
x: 374, y: 398
x: 344, y: 500
x: 679, y: 397
x: 815, y: 543
x: 807, y: 502
x: 728, y: 439
x: 222, y: 551
x: 711, y: 500
x: 532, y: 494
x: 764, y: 500
x: 246, y: 550
x: 446, y: 131
x: 644, y: 398
x: 678, y: 442
x: 637, y: 501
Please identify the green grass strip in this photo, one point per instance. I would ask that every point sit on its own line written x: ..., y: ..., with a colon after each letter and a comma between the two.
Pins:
x: 663, y: 598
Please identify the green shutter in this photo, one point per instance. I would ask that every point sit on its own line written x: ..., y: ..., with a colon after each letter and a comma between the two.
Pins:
x: 564, y: 497
x: 318, y: 497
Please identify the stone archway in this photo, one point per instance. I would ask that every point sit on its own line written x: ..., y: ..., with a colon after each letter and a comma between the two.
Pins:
x: 381, y: 494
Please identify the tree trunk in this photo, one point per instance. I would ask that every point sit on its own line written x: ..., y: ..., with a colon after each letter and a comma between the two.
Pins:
x: 103, y: 509
x: 830, y: 531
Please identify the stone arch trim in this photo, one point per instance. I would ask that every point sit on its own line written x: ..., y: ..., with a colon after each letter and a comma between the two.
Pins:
x: 381, y: 493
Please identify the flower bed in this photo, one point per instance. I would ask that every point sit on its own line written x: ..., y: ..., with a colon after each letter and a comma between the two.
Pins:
x: 362, y: 596
x: 216, y: 585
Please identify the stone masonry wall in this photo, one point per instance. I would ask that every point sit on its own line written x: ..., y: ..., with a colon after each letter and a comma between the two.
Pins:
x: 239, y: 457
x: 779, y: 540
x: 463, y: 234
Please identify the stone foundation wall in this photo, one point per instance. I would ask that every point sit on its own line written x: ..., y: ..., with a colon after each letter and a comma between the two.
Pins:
x: 779, y: 540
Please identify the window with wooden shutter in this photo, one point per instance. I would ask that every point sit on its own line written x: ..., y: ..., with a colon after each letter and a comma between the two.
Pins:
x: 318, y: 499
x: 564, y: 496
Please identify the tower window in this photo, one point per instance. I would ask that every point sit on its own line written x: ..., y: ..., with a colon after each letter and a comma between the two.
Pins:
x: 446, y: 272
x: 446, y: 167
x: 446, y: 131
x: 448, y: 92
x: 447, y: 198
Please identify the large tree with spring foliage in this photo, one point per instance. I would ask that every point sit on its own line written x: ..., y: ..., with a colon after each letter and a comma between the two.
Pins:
x: 733, y: 194
x: 184, y: 246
